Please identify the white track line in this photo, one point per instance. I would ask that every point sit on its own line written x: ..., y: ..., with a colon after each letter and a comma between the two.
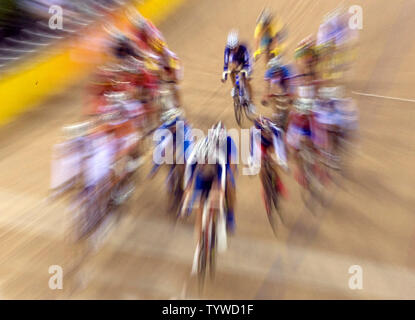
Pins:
x: 384, y: 97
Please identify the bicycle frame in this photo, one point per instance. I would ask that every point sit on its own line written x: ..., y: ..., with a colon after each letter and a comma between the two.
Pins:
x: 241, y: 98
x: 240, y: 87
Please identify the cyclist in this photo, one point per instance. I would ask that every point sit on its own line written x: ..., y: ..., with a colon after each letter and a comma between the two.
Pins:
x: 66, y: 169
x: 205, y: 175
x: 346, y: 123
x: 268, y: 36
x: 325, y: 124
x: 306, y: 58
x: 272, y: 150
x: 173, y: 74
x: 171, y: 118
x: 280, y: 75
x: 332, y: 40
x: 224, y: 140
x: 299, y: 127
x: 145, y: 34
x: 237, y: 56
x: 124, y: 141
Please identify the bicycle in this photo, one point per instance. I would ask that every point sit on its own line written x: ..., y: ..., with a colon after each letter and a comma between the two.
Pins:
x: 212, y: 240
x: 241, y: 99
x: 271, y: 194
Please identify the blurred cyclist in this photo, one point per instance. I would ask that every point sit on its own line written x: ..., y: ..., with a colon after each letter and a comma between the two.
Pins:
x: 170, y: 120
x: 173, y: 74
x: 277, y: 75
x: 306, y: 59
x: 272, y: 149
x: 205, y: 175
x: 145, y: 34
x: 224, y: 140
x: 335, y: 122
x: 237, y: 58
x: 269, y: 36
x: 333, y: 41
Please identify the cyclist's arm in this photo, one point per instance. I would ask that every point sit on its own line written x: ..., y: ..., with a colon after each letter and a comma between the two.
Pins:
x: 226, y: 59
x: 247, y: 60
x: 257, y: 36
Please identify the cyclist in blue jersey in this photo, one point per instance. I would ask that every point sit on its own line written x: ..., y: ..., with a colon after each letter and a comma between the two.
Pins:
x: 205, y: 172
x: 236, y: 57
x: 277, y: 75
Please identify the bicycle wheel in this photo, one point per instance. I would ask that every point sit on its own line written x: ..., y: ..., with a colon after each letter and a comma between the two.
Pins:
x: 203, y: 253
x: 212, y: 251
x: 270, y: 204
x: 249, y: 115
x: 175, y: 192
x: 238, y: 111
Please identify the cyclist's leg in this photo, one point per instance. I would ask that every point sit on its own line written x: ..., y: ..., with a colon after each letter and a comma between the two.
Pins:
x: 248, y: 86
x: 233, y: 79
x: 230, y: 197
x: 203, y: 188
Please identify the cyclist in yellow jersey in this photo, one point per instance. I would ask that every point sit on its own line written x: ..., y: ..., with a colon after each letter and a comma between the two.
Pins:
x: 269, y: 35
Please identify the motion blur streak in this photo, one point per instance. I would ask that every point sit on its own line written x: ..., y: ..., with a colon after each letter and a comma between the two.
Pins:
x: 141, y: 252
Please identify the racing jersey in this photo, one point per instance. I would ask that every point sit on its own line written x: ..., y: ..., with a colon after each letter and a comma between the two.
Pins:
x: 240, y: 57
x: 192, y: 164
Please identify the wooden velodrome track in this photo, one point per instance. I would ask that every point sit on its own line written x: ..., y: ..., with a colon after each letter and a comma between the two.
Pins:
x: 370, y: 221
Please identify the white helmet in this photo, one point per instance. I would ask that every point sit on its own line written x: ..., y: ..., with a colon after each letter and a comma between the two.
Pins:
x: 171, y: 114
x: 265, y: 16
x: 275, y: 62
x: 233, y: 39
x: 218, y: 133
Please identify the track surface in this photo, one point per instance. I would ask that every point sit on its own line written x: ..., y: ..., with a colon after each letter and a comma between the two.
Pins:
x: 369, y: 222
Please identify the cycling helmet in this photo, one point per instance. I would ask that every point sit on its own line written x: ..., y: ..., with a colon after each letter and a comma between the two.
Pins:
x: 233, y: 39
x: 275, y: 63
x: 170, y: 116
x: 305, y: 47
x: 265, y: 17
